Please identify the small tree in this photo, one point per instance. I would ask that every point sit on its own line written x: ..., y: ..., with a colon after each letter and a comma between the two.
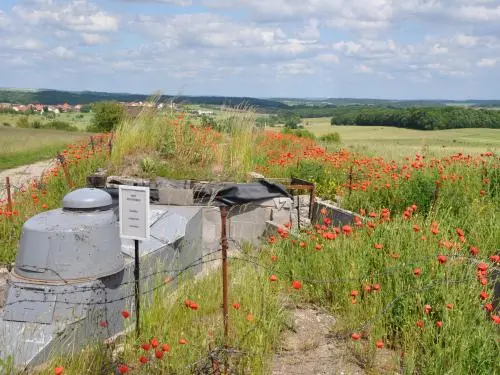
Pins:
x: 107, y: 115
x: 332, y: 121
x: 292, y: 121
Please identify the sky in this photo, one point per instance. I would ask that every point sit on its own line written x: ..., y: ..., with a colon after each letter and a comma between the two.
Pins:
x: 393, y: 49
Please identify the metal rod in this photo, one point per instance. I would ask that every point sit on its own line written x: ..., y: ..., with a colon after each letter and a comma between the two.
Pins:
x: 223, y: 214
x: 9, y: 196
x: 65, y: 169
x: 92, y: 142
x: 350, y: 180
x: 137, y: 289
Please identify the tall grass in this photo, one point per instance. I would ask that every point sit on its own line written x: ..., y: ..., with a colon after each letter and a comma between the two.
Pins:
x: 254, y: 329
x: 176, y: 148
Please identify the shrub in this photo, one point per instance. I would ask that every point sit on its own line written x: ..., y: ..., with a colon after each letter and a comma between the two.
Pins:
x: 7, y: 124
x: 107, y: 115
x: 330, y: 137
x: 60, y: 125
x: 23, y: 122
x: 301, y: 133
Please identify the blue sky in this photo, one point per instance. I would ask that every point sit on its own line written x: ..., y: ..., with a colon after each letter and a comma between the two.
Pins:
x: 427, y: 49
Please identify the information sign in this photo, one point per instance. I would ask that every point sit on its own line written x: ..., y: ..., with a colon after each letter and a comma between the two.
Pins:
x: 134, y: 212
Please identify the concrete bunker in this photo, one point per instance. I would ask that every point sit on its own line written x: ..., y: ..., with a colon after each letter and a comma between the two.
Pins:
x: 73, y: 274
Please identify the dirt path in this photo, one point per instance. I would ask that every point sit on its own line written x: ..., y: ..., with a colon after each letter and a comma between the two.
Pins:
x: 21, y: 175
x: 310, y: 348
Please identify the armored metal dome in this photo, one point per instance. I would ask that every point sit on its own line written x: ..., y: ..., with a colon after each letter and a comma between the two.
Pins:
x: 79, y: 241
x: 87, y: 199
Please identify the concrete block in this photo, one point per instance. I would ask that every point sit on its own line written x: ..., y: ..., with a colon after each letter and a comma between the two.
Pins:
x: 175, y: 197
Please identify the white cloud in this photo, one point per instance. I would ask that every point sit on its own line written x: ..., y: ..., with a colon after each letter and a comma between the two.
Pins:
x: 19, y: 43
x: 295, y: 68
x: 466, y: 40
x: 327, y: 58
x: 62, y: 53
x: 93, y: 39
x: 364, y: 69
x: 486, y: 63
x: 77, y: 15
x: 183, y: 3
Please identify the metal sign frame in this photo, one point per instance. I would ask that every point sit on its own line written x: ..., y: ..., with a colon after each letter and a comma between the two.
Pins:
x: 145, y: 226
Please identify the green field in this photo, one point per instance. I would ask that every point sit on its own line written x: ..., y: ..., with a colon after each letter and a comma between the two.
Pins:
x: 80, y: 120
x: 394, y: 142
x: 25, y: 146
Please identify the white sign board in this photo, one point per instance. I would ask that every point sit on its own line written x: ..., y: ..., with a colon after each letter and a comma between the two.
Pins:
x: 134, y: 212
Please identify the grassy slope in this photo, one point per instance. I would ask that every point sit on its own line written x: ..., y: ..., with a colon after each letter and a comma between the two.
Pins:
x: 393, y: 142
x: 80, y: 123
x: 25, y: 146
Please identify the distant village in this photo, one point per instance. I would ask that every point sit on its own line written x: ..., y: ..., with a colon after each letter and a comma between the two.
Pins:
x: 62, y: 108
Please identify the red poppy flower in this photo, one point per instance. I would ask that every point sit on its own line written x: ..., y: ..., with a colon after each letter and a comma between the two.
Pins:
x: 355, y: 336
x: 193, y: 305
x: 146, y: 346
x: 274, y: 258
x: 182, y: 342
x: 125, y: 314
x: 495, y: 258
x: 416, y: 228
x: 483, y: 295
x: 296, y: 284
x: 159, y: 354
x: 474, y: 250
x: 327, y: 221
x: 417, y: 271
x: 482, y: 267
x: 123, y: 369
x: 187, y: 303
x: 154, y: 343
x: 143, y: 359
x: 302, y: 244
x: 249, y: 317
x: 496, y: 319
x: 378, y: 246
x: 442, y: 259
x: 488, y: 307
x: 379, y: 344
x: 460, y: 232
x: 59, y: 370
x: 346, y: 229
x: 439, y: 324
x: 273, y: 278
x: 318, y: 247
x: 354, y: 293
x: 420, y: 323
x: 449, y: 306
x: 376, y: 287
x: 165, y: 348
x: 236, y: 306
x: 427, y: 309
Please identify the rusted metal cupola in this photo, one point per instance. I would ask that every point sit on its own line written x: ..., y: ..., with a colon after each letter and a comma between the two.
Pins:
x: 81, y: 240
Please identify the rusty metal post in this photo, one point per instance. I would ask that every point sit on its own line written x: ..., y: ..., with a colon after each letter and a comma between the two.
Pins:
x: 225, y: 307
x: 9, y: 196
x: 350, y: 180
x: 110, y: 143
x: 65, y: 169
x: 92, y: 142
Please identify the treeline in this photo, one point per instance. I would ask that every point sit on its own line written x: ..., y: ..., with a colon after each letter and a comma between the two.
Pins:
x: 432, y: 118
x: 48, y: 97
